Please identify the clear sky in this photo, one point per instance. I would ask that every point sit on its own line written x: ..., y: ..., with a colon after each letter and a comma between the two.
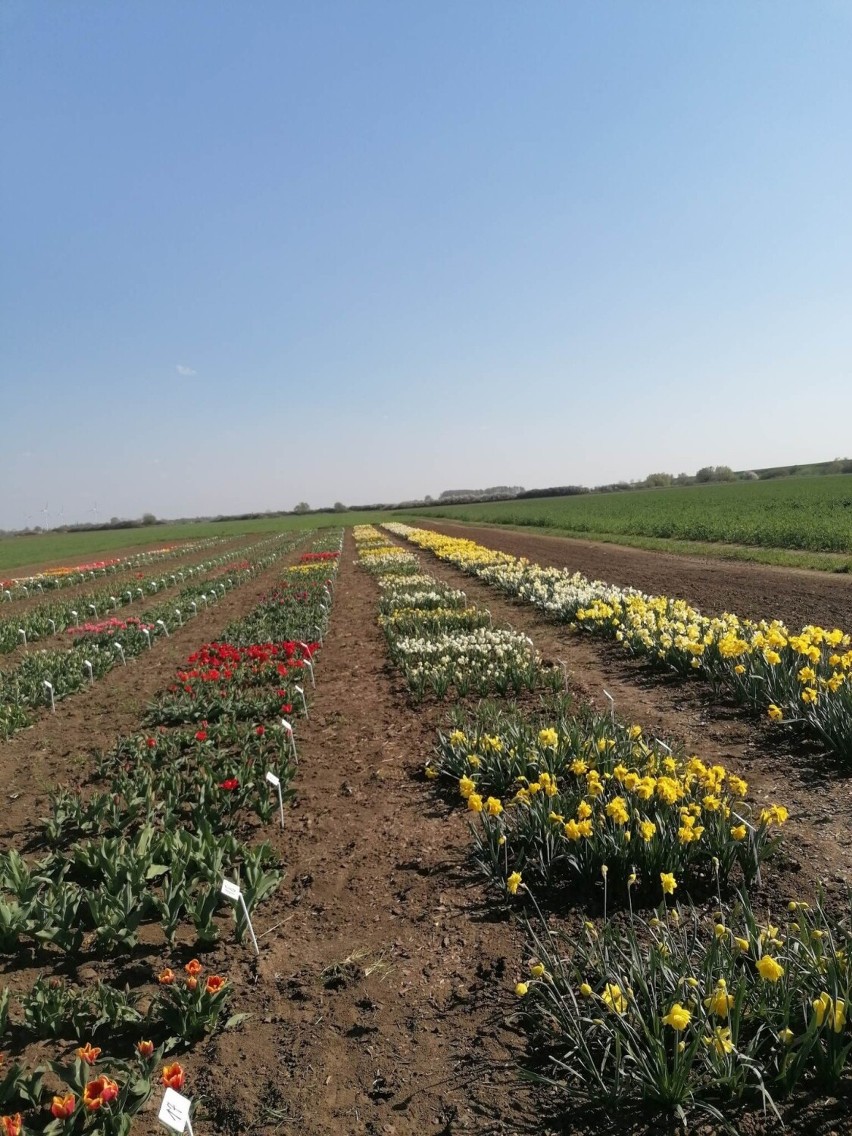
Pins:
x: 261, y: 252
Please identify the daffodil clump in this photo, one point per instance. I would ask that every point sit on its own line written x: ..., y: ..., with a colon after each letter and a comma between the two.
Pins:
x: 391, y: 559
x: 412, y: 619
x: 379, y: 557
x: 686, y: 1012
x: 423, y: 593
x: 557, y: 802
x: 479, y: 662
x: 437, y: 642
x: 803, y: 679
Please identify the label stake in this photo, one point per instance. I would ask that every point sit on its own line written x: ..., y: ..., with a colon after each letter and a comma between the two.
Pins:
x: 233, y: 891
x: 304, y: 703
x: 611, y: 704
x: 285, y: 725
x: 275, y: 780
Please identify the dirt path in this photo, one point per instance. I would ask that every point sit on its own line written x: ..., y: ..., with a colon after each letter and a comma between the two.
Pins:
x: 819, y: 800
x: 383, y: 984
x: 753, y: 591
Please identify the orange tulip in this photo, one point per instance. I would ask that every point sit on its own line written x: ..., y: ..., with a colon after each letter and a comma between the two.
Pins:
x: 145, y: 1048
x: 193, y: 968
x: 173, y: 1076
x: 215, y: 984
x: 12, y: 1125
x: 191, y: 983
x: 166, y: 977
x: 63, y: 1107
x: 89, y: 1053
x: 99, y: 1092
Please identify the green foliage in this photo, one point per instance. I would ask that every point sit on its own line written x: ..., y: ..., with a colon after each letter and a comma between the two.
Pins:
x: 685, y: 1013
x: 812, y: 514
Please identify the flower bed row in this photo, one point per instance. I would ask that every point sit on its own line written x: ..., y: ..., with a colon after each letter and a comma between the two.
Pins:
x: 802, y: 680
x: 55, y: 617
x: 174, y: 810
x: 53, y: 674
x: 51, y: 579
x: 692, y: 1006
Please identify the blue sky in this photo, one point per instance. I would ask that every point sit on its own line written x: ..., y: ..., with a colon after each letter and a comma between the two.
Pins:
x: 256, y: 253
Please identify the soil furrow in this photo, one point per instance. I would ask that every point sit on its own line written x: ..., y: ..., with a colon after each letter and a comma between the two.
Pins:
x: 383, y: 983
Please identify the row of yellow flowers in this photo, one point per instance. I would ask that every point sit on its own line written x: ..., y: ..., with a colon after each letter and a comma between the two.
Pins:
x: 802, y: 679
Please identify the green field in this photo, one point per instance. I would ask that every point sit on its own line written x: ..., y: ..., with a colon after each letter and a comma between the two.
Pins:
x: 71, y: 548
x: 804, y: 521
x: 810, y: 515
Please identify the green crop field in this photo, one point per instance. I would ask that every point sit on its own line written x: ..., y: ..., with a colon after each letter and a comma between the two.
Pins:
x: 811, y: 514
x: 805, y: 521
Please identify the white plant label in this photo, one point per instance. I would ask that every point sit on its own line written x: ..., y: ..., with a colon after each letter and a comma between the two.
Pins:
x: 301, y: 694
x: 289, y: 729
x: 174, y: 1111
x: 232, y: 891
x: 275, y: 781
